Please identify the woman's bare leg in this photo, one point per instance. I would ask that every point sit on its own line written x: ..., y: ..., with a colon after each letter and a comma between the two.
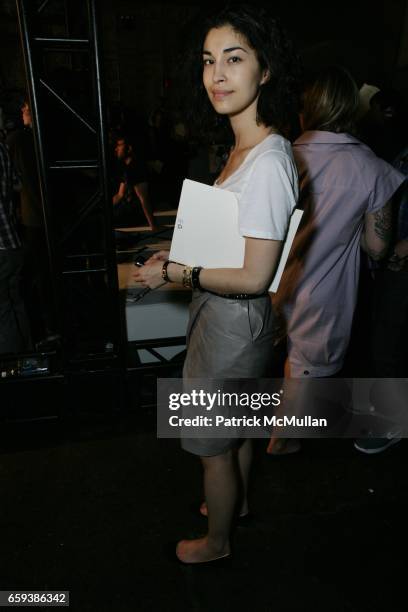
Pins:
x: 244, y: 466
x: 244, y: 463
x: 221, y: 489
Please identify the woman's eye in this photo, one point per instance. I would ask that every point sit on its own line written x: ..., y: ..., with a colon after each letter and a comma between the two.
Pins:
x: 234, y: 59
x: 207, y: 62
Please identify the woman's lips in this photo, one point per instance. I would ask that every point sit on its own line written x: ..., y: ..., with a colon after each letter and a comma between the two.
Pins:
x: 220, y: 95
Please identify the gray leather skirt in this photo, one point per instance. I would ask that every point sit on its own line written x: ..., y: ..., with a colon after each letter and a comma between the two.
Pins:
x: 227, y: 338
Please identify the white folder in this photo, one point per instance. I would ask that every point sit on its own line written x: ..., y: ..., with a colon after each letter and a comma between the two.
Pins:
x: 206, y: 230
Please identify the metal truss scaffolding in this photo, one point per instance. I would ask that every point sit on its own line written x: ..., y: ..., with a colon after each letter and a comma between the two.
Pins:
x: 63, y: 66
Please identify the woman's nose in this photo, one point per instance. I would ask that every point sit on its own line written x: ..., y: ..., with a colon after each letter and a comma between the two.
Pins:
x: 218, y: 74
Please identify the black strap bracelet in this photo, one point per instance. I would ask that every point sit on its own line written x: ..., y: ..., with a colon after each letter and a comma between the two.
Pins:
x: 164, y: 271
x: 195, y: 277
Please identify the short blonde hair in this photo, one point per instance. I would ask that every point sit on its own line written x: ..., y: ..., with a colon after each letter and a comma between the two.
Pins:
x: 331, y: 101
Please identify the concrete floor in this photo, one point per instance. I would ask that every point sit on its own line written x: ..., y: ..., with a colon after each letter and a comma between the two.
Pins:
x: 95, y: 506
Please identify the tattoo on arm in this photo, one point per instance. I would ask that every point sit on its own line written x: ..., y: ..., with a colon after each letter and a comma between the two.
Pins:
x: 383, y: 223
x: 376, y: 237
x: 376, y: 255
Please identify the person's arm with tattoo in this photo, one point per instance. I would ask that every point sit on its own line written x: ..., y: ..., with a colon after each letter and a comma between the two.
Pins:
x: 376, y: 236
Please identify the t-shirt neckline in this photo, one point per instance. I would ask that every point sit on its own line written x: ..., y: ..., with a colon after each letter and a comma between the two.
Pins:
x: 247, y: 157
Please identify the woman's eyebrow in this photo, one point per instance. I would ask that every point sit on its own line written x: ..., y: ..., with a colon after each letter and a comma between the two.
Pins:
x: 235, y: 49
x: 229, y: 50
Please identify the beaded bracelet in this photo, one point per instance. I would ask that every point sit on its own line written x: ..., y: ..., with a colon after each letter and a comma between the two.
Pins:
x: 164, y: 274
x: 187, y: 277
x: 195, y: 277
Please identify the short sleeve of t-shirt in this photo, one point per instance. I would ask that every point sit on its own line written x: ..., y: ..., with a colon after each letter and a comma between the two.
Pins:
x: 386, y: 182
x: 269, y: 197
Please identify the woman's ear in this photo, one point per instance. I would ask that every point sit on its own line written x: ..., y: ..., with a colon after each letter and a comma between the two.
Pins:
x: 266, y: 75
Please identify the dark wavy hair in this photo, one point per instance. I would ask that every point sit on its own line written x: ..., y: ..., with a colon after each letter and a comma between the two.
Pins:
x: 279, y: 99
x: 331, y: 101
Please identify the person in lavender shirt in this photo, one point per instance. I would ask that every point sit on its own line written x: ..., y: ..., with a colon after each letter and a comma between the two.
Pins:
x: 345, y: 190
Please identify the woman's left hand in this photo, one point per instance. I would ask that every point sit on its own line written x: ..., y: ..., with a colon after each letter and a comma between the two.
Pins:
x: 149, y: 275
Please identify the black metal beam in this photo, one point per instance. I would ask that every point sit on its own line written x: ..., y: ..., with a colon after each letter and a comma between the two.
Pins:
x: 35, y: 46
x: 70, y: 44
x: 73, y: 164
x: 67, y: 106
x: 25, y: 18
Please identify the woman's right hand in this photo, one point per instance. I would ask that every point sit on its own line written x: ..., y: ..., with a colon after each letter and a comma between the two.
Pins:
x: 159, y: 256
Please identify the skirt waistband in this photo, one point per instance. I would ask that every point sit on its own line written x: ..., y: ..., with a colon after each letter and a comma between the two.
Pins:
x: 239, y: 296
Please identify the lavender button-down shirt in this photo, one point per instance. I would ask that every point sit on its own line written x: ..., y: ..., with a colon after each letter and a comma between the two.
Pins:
x: 341, y: 180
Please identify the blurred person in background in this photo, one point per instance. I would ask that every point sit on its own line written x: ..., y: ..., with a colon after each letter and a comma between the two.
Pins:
x: 345, y: 190
x: 14, y: 327
x: 131, y: 198
x: 36, y: 274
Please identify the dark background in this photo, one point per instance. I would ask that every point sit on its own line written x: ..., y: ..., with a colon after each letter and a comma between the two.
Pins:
x: 141, y: 45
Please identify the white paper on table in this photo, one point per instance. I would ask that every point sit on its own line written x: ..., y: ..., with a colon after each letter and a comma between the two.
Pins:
x: 206, y: 230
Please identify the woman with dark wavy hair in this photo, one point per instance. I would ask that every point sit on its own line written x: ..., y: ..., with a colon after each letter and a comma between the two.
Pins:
x: 278, y: 100
x: 245, y: 72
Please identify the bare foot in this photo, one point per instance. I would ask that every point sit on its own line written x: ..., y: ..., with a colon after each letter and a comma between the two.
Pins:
x: 283, y: 446
x: 243, y: 512
x: 200, y: 551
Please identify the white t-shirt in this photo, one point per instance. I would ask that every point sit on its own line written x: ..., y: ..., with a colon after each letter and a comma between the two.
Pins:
x: 266, y: 187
